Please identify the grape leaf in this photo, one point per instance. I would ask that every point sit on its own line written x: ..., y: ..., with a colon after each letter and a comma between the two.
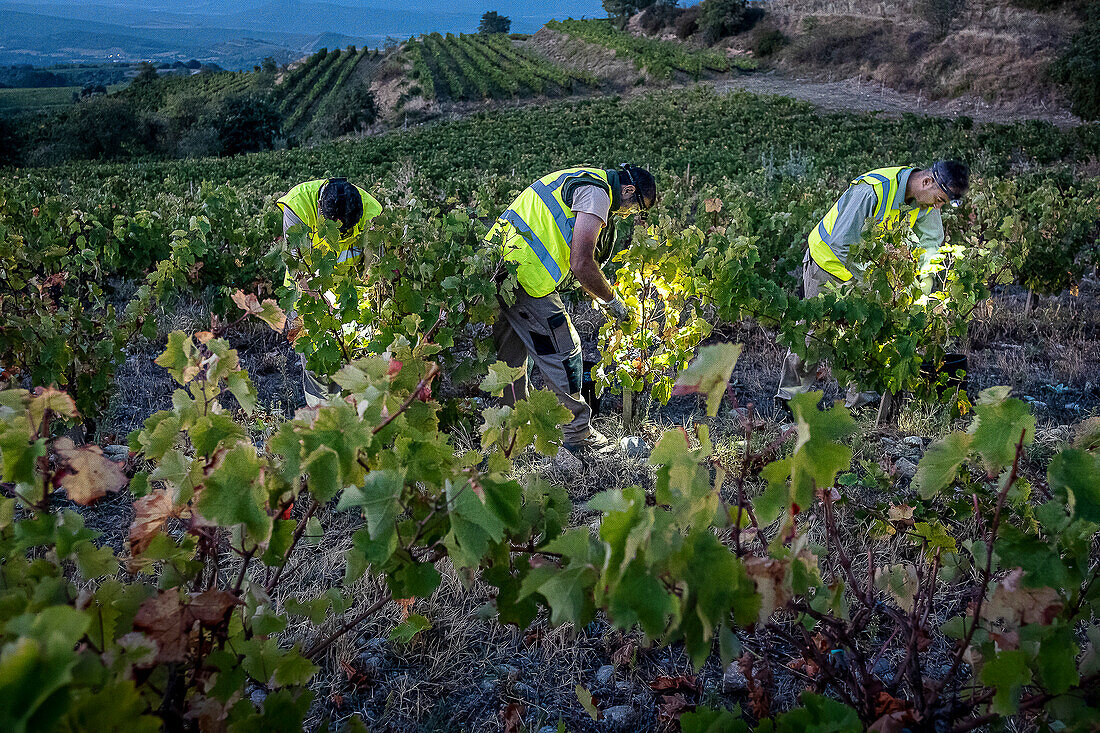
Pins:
x: 939, y: 465
x: 1075, y: 475
x: 404, y: 632
x: 267, y: 311
x: 999, y: 423
x: 709, y: 374
x: 150, y: 513
x: 501, y: 377
x: 87, y: 475
x: 234, y: 493
x: 1007, y: 673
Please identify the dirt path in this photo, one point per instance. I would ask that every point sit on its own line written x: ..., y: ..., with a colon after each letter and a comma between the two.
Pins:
x: 853, y: 95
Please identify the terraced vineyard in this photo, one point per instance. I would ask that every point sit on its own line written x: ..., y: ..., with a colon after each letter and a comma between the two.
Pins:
x: 658, y: 58
x: 321, y: 75
x: 485, y: 67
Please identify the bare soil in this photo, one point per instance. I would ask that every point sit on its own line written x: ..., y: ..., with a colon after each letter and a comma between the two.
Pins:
x: 859, y: 95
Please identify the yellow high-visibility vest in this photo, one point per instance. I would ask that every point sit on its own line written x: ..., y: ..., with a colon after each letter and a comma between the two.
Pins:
x: 538, y: 226
x: 302, y: 200
x: 889, y: 196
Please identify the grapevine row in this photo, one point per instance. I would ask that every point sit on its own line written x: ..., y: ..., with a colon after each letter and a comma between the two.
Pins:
x: 421, y: 71
x: 446, y: 65
x: 305, y: 84
x: 488, y: 66
x: 322, y: 87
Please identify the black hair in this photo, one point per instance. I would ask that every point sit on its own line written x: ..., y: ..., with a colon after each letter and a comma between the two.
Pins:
x: 953, y: 176
x: 340, y: 201
x: 644, y: 183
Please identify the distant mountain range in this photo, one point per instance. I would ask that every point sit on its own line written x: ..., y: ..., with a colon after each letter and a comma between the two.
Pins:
x: 239, y: 33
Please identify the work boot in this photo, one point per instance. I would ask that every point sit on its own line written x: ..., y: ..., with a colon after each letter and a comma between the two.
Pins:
x: 596, y: 443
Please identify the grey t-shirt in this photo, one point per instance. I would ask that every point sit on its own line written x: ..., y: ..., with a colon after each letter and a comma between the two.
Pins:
x: 592, y: 200
x: 857, y: 204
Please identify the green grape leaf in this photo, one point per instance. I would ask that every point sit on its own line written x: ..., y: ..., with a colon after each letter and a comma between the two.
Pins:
x: 538, y: 420
x: 501, y: 377
x: 712, y: 720
x: 243, y: 389
x: 819, y: 714
x: 1075, y: 475
x: 234, y: 493
x: 405, y: 631
x: 709, y: 374
x: 1007, y: 673
x: 999, y: 423
x: 323, y: 466
x: 1057, y: 663
x: 939, y: 465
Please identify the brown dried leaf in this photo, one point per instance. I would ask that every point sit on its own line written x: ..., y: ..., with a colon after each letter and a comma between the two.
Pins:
x: 1022, y: 605
x: 163, y: 619
x: 267, y: 311
x: 686, y: 683
x: 770, y: 577
x: 624, y: 654
x: 150, y: 513
x: 672, y: 707
x: 85, y: 474
x: 404, y: 604
x: 901, y: 513
x: 210, y: 714
x: 211, y: 606
x: 54, y: 400
x: 712, y: 206
x: 512, y: 717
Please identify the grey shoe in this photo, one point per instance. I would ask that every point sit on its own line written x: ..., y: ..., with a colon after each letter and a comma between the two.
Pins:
x: 596, y: 443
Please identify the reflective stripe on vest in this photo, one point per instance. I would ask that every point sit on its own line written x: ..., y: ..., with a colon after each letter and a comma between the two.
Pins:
x: 538, y: 229
x: 889, y: 197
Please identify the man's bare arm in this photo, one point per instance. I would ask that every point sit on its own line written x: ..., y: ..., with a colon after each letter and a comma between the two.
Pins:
x: 582, y: 257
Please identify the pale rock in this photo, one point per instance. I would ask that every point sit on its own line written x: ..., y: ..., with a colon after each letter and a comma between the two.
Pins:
x: 566, y: 461
x: 604, y: 674
x: 905, y: 467
x: 733, y: 680
x: 121, y: 451
x: 634, y: 447
x: 914, y: 441
x: 619, y: 717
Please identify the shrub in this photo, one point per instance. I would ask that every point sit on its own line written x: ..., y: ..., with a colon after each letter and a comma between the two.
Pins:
x: 721, y: 18
x: 688, y: 22
x: 658, y: 16
x: 768, y: 42
x: 1079, y: 68
x: 939, y: 14
x: 10, y: 142
x: 354, y: 106
x: 102, y: 128
x: 246, y: 124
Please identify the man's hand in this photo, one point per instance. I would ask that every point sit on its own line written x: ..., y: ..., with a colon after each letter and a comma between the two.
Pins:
x: 618, y: 310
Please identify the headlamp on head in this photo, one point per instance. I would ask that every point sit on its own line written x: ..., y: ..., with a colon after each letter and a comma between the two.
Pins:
x: 942, y: 179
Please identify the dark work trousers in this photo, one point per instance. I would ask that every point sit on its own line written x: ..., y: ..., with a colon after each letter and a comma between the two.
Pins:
x: 538, y: 330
